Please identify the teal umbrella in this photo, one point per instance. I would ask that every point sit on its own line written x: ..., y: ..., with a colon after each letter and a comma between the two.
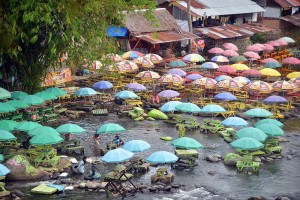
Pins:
x: 213, y: 108
x: 27, y: 126
x: 4, y: 94
x: 56, y: 91
x: 169, y: 106
x: 18, y: 95
x: 18, y: 104
x: 234, y: 121
x: 5, y: 108
x: 271, y: 130
x: 41, y: 130
x: 258, y: 112
x: 8, y: 125
x: 4, y: 170
x: 251, y: 132
x: 237, y: 59
x: 246, y: 143
x: 5, y: 135
x: 1, y: 158
x: 188, y: 107
x: 33, y: 100
x: 70, y: 128
x: 269, y: 121
x: 136, y: 146
x: 126, y: 95
x: 46, y: 138
x: 186, y: 143
x: 111, y: 128
x: 85, y: 92
x: 272, y: 65
x: 46, y: 95
x: 117, y: 155
x: 177, y: 63
x: 162, y: 157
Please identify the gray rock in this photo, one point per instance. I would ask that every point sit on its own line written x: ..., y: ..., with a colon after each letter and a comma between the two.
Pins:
x: 160, y: 187
x: 17, y: 193
x: 175, y: 185
x: 101, y: 191
x: 152, y: 189
x: 162, y: 184
x: 262, y: 158
x: 90, y: 190
x: 231, y: 159
x: 269, y: 159
x: 257, y: 198
x: 273, y: 156
x: 76, y: 186
x: 282, y: 198
x: 67, y: 181
x: 168, y: 188
x: 257, y: 159
x: 217, y: 156
x: 92, y: 185
x: 197, y: 186
x: 82, y: 185
x: 212, y: 173
x: 211, y: 158
x: 289, y: 157
x: 55, y: 176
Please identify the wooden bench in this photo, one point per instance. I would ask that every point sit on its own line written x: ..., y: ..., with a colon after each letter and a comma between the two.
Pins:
x: 100, y: 112
x: 72, y: 149
x: 52, y: 162
x: 58, y: 109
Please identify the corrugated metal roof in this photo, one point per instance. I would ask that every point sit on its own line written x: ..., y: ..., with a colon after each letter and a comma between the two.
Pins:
x: 294, y: 19
x: 288, y: 3
x: 166, y: 36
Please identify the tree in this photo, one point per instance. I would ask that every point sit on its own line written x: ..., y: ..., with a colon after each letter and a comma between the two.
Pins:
x: 34, y: 33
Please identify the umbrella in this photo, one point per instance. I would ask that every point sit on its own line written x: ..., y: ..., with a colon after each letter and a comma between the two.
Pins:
x: 246, y: 144
x: 56, y: 91
x: 260, y: 86
x: 114, y: 57
x: 287, y: 39
x: 258, y: 112
x: 136, y: 86
x: 178, y: 72
x: 274, y: 43
x: 295, y: 81
x: 45, y: 138
x: 127, y: 66
x: 117, y: 155
x: 148, y: 75
x: 255, y: 48
x: 222, y: 77
x: 27, y: 126
x: 268, y: 47
x: 6, y: 136
x: 229, y: 84
x: 168, y: 94
x: 170, y: 106
x: 240, y: 67
x: 1, y: 158
x: 186, y: 143
x: 269, y: 72
x: 126, y: 95
x: 132, y: 55
x: 171, y: 79
x: 154, y: 58
x: 193, y: 76
x: 111, y: 128
x: 252, y: 55
x: 17, y: 104
x: 193, y: 58
x: 251, y: 72
x: 269, y: 121
x: 4, y: 94
x: 162, y: 157
x: 251, y: 132
x: 46, y: 95
x: 69, y: 128
x: 144, y: 62
x: 136, y: 146
x: 209, y: 65
x: 96, y: 64
x: 242, y: 80
x: 284, y: 86
x: 230, y: 46
x: 216, y: 50
x: 213, y: 108
x: 293, y: 75
x: 102, y: 85
x: 230, y: 53
x: 227, y: 69
x: 5, y: 107
x: 220, y: 59
x: 272, y: 65
x: 177, y: 63
x: 188, y: 107
x: 225, y: 96
x: 234, y: 121
x: 269, y: 60
x: 291, y: 61
x: 282, y: 42
x: 237, y: 59
x: 205, y: 82
x: 18, y: 95
x: 41, y: 130
x: 33, y: 100
x: 4, y: 170
x: 271, y: 129
x: 85, y: 92
x: 275, y: 99
x: 8, y: 125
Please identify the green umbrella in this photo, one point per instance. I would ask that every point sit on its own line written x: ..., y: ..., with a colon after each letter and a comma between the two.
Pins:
x: 237, y: 59
x: 246, y: 144
x: 258, y: 112
x: 5, y: 135
x: 188, y: 107
x: 1, y: 158
x: 271, y: 130
x: 111, y: 128
x: 41, y: 130
x: 8, y: 125
x: 70, y: 128
x: 4, y: 94
x: 33, y: 100
x: 18, y: 95
x: 186, y: 143
x: 5, y: 108
x: 46, y: 95
x: 27, y: 126
x: 251, y: 132
x: 269, y: 121
x: 46, y: 138
x: 18, y: 104
x: 56, y: 91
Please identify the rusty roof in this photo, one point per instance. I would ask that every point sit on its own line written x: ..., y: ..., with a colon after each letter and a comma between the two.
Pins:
x: 294, y: 19
x: 288, y: 3
x: 166, y: 36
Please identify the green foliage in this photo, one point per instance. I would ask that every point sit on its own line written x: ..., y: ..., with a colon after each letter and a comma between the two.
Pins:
x: 258, y: 38
x: 20, y: 159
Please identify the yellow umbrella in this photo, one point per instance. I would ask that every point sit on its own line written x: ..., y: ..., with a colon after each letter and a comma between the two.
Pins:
x: 240, y: 67
x: 293, y: 75
x: 269, y: 72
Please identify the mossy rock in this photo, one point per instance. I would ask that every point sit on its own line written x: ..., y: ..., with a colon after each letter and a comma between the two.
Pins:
x: 231, y: 159
x: 157, y: 114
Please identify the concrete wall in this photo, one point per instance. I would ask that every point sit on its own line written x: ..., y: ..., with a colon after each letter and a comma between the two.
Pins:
x: 273, y: 12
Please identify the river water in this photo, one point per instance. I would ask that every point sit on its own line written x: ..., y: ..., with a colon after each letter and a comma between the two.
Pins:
x: 276, y: 178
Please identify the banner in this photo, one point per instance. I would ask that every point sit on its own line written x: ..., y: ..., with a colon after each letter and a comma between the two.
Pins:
x: 55, y: 78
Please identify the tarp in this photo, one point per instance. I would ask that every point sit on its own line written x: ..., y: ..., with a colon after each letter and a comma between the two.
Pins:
x: 59, y: 77
x: 115, y: 31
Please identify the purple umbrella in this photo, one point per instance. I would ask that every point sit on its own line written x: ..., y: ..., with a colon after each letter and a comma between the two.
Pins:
x: 194, y: 76
x: 136, y: 86
x: 179, y: 72
x: 168, y: 94
x: 275, y: 99
x: 225, y: 96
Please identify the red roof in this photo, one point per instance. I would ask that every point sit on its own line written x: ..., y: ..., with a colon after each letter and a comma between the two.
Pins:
x: 294, y: 19
x: 288, y: 3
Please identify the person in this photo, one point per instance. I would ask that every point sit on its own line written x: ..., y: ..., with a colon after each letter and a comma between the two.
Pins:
x: 118, y: 141
x: 79, y: 168
x: 194, y: 47
x: 68, y: 136
x: 98, y: 151
x: 25, y: 144
x: 200, y: 46
x: 155, y: 98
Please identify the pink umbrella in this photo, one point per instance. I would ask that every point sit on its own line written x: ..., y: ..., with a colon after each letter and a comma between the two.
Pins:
x: 251, y: 72
x: 255, y: 47
x: 216, y: 50
x: 230, y: 46
x: 274, y: 43
x: 251, y: 55
x: 269, y: 60
x: 230, y: 53
x: 282, y: 42
x: 291, y: 61
x: 268, y: 47
x: 227, y: 69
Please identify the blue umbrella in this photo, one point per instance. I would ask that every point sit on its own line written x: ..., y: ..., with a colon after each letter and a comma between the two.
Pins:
x: 188, y: 107
x: 168, y: 94
x: 212, y: 108
x: 126, y: 95
x: 227, y: 96
x: 85, y: 92
x: 117, y: 155
x: 177, y: 63
x: 275, y: 99
x: 136, y: 86
x: 209, y: 65
x: 4, y: 170
x: 234, y: 121
x: 179, y: 72
x: 170, y: 106
x: 272, y: 65
x: 136, y: 146
x: 222, y: 77
x: 251, y: 132
x: 162, y: 157
x: 102, y: 85
x: 193, y: 76
x: 258, y: 112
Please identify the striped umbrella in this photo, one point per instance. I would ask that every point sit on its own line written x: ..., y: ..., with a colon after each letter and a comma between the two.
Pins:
x: 220, y: 59
x: 284, y: 86
x: 205, y: 82
x: 209, y: 65
x: 144, y: 62
x: 114, y: 57
x: 295, y: 81
x: 148, y: 75
x: 171, y: 79
x: 260, y: 86
x: 154, y: 58
x: 193, y: 58
x: 132, y: 55
x: 127, y: 66
x: 242, y: 80
x: 229, y: 84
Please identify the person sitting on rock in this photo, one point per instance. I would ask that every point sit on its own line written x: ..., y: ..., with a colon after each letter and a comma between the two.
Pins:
x: 118, y: 141
x: 79, y: 168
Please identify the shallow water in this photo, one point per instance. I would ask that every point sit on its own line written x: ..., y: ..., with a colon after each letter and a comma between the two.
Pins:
x: 276, y: 178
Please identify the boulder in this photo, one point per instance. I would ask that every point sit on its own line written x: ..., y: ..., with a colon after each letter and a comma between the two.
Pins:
x: 231, y: 159
x: 82, y: 185
x: 212, y: 158
x: 257, y: 159
x: 289, y: 157
x: 92, y: 185
x: 157, y: 114
x: 212, y: 173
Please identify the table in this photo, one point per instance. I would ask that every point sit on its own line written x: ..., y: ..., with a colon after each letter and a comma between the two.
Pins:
x: 183, y: 153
